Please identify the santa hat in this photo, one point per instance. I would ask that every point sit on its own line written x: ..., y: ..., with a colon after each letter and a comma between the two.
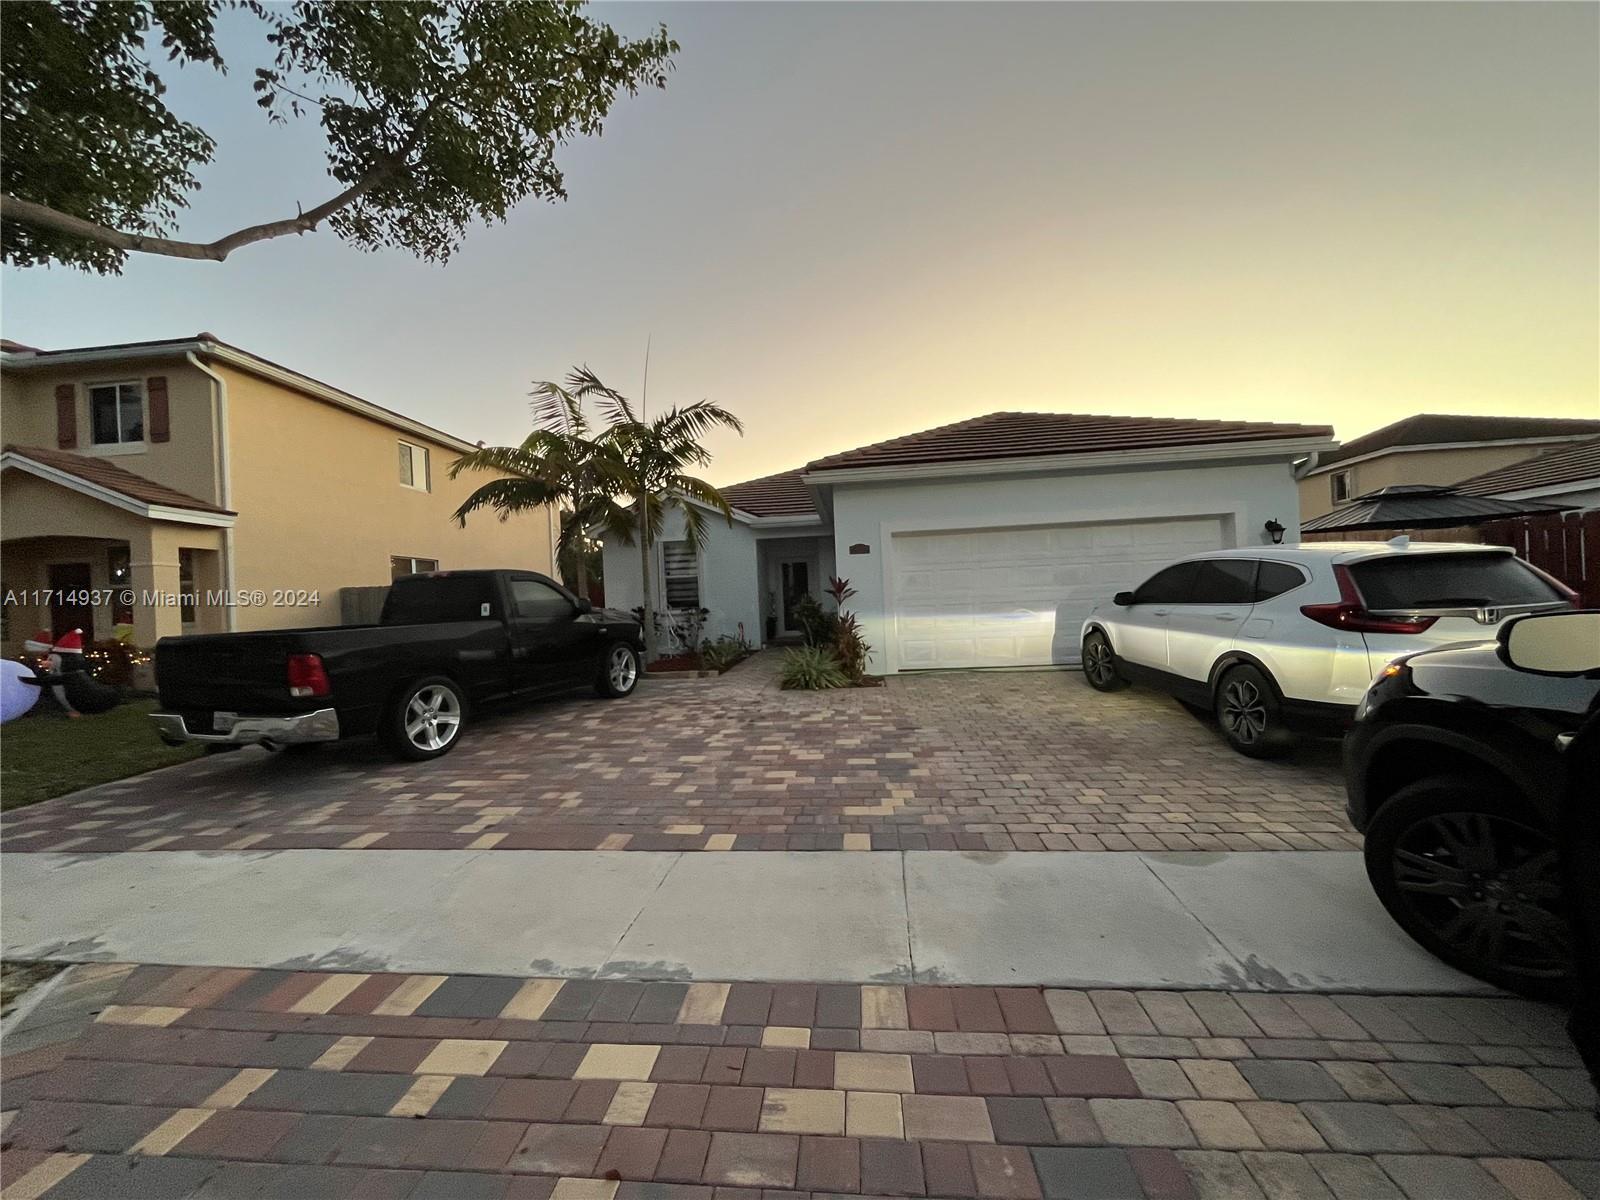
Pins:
x: 70, y: 642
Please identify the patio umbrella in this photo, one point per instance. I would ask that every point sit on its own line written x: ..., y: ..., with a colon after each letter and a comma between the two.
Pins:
x: 1421, y: 506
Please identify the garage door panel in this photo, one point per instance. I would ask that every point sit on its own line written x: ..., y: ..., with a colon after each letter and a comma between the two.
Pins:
x: 1018, y: 596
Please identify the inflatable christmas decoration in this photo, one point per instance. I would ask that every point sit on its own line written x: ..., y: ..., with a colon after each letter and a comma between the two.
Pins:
x: 68, y: 678
x: 19, y: 689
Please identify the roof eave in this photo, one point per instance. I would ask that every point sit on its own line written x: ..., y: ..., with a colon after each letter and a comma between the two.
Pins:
x: 1323, y: 467
x: 11, y: 460
x: 1287, y: 449
x: 244, y: 361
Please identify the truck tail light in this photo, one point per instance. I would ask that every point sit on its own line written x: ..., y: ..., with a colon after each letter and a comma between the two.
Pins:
x: 307, y: 676
x: 1350, y: 615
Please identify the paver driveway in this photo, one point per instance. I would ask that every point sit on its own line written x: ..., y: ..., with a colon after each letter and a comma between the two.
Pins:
x: 970, y: 761
x: 226, y: 1083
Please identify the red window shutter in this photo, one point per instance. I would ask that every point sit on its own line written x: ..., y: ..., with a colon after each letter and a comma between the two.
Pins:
x: 155, y: 390
x: 66, y: 416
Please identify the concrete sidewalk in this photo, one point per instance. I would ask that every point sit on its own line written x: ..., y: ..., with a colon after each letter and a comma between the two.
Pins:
x: 1283, y: 921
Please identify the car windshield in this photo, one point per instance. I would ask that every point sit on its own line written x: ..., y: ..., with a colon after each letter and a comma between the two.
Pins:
x: 425, y: 599
x: 1450, y: 581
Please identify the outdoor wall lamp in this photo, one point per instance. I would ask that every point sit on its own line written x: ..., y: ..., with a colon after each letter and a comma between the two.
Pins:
x: 1275, y: 531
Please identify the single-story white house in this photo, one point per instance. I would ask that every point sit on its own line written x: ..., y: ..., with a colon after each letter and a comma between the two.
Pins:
x: 983, y: 543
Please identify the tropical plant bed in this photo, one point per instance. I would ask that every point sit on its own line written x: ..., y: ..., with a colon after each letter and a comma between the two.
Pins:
x: 675, y: 662
x: 694, y: 663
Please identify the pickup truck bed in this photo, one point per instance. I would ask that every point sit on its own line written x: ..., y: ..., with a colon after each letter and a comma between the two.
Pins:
x: 498, y: 634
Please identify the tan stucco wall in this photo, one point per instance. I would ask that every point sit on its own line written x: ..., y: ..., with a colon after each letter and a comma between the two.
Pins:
x: 321, y: 505
x: 186, y: 462
x: 44, y: 523
x: 1420, y: 466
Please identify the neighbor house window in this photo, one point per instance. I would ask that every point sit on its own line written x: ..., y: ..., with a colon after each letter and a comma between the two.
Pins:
x: 1339, y: 486
x: 116, y: 413
x: 414, y: 466
x: 400, y: 565
x: 680, y: 569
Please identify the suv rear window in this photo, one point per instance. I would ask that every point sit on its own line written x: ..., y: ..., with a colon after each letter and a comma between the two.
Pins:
x: 1276, y: 578
x: 1449, y: 581
x: 425, y: 599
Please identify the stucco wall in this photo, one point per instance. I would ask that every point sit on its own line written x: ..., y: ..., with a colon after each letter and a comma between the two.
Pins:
x: 186, y: 462
x: 728, y: 576
x: 47, y: 524
x: 321, y: 505
x: 815, y: 546
x: 1248, y: 495
x: 1419, y: 466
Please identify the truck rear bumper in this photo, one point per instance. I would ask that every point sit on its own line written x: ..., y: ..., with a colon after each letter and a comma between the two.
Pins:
x: 319, y: 726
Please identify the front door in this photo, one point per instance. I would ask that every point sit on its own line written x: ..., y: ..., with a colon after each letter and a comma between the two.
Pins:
x: 795, y: 582
x: 70, y: 597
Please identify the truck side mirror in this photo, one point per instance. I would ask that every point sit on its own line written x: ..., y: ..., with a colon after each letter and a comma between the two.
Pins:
x: 1122, y: 599
x: 1566, y: 643
x: 584, y: 606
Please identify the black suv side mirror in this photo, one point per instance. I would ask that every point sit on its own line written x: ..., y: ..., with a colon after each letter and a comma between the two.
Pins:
x: 1122, y: 599
x: 1562, y: 643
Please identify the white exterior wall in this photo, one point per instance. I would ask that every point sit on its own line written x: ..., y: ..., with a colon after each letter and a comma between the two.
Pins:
x: 728, y: 575
x: 1245, y: 495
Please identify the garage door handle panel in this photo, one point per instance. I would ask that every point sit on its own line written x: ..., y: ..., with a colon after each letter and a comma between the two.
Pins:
x: 1226, y: 617
x: 1160, y: 612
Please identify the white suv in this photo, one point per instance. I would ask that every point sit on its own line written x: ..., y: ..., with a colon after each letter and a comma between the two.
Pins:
x: 1275, y: 637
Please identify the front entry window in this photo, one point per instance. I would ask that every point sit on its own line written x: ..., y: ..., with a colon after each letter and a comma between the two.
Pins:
x: 796, y: 583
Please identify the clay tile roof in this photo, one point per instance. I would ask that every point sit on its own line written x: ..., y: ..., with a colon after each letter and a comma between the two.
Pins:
x: 781, y: 495
x: 108, y: 475
x: 1433, y: 429
x: 1570, y: 463
x: 1027, y: 435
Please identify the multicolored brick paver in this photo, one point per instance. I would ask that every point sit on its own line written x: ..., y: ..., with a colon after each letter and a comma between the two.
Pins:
x: 964, y: 761
x: 194, y: 1082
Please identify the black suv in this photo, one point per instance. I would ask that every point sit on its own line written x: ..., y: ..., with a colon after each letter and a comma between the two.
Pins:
x: 1457, y: 770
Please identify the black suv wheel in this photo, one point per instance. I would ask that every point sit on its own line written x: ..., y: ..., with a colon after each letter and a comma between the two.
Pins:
x: 1464, y: 871
x: 1248, y: 713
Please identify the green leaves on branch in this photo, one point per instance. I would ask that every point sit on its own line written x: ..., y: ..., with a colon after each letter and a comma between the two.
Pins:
x: 437, y: 114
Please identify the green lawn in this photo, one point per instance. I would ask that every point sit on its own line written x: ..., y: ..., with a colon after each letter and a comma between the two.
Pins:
x: 48, y: 754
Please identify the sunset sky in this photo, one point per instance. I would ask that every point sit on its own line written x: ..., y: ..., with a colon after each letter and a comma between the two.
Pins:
x: 851, y: 222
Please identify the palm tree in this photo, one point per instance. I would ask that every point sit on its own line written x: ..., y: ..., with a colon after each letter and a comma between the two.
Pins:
x: 649, y: 460
x: 559, y: 463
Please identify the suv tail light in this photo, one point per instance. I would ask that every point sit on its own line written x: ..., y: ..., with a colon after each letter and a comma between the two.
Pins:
x: 1351, y: 615
x: 307, y: 677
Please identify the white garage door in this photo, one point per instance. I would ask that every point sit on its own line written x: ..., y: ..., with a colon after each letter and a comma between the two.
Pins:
x: 1014, y: 597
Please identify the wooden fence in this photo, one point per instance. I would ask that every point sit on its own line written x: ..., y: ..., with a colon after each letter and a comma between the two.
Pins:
x: 1567, y: 545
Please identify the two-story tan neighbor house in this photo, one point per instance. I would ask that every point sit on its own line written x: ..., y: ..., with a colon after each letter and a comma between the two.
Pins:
x: 191, y: 486
x: 1428, y: 448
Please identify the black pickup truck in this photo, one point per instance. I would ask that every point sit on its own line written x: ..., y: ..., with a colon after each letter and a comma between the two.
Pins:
x: 446, y: 641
